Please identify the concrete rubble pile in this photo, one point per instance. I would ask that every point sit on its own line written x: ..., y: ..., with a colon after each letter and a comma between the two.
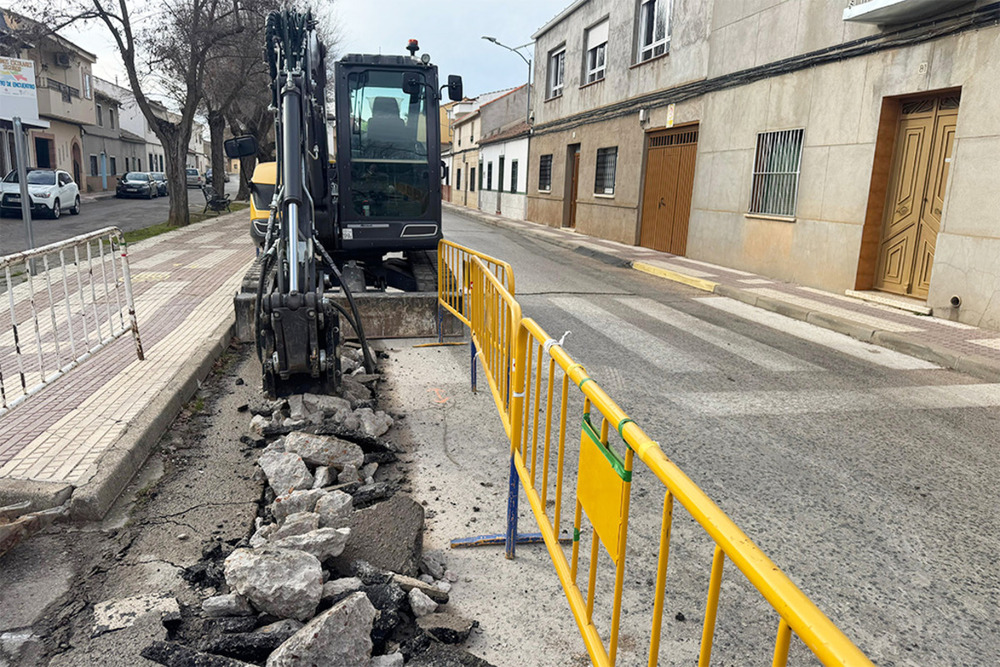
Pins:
x: 333, y: 571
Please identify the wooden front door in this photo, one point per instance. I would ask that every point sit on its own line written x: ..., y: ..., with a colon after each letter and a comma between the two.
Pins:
x: 912, y: 220
x: 574, y: 184
x: 666, y: 197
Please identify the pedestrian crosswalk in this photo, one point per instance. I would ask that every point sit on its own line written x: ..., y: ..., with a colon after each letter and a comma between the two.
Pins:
x: 612, y: 318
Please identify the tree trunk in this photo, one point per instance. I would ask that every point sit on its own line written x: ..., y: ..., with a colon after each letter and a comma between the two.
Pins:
x: 247, y: 165
x: 216, y: 129
x: 176, y: 163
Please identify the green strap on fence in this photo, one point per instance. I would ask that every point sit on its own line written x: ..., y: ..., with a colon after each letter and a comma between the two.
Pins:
x: 616, y: 461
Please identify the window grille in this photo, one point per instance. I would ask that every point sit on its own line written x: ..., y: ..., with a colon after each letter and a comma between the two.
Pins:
x: 489, y: 176
x: 604, y: 180
x: 513, y: 176
x: 597, y: 44
x: 557, y: 72
x: 472, y: 178
x: 114, y: 167
x: 654, y: 28
x: 545, y: 173
x: 93, y: 165
x: 775, y: 189
x: 458, y: 179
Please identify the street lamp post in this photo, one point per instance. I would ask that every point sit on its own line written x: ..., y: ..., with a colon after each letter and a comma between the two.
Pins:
x: 514, y: 49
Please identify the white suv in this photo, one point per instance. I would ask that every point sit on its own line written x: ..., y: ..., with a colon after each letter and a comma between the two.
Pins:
x: 52, y: 191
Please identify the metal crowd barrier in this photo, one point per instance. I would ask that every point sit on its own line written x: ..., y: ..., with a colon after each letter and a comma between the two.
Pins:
x: 453, y: 277
x: 530, y: 375
x: 65, y: 301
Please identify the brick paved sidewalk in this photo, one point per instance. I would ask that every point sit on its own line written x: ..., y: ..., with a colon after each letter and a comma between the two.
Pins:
x: 183, y: 283
x: 952, y: 344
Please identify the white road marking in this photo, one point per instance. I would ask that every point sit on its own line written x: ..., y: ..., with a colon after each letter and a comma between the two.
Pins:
x: 799, y: 401
x: 751, y: 350
x: 644, y: 345
x: 814, y: 334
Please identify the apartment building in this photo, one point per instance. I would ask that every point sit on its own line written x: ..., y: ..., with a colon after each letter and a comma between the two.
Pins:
x: 65, y: 94
x: 503, y: 154
x: 843, y: 145
x: 110, y: 149
x: 464, y: 172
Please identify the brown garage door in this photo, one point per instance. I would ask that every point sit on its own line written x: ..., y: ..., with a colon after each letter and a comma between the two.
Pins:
x: 666, y: 198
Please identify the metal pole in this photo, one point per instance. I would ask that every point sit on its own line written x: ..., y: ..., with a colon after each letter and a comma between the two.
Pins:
x: 21, y: 161
x: 527, y: 115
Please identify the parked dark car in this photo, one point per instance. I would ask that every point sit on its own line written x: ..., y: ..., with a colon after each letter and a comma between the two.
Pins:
x: 208, y: 177
x: 161, y: 182
x: 136, y: 184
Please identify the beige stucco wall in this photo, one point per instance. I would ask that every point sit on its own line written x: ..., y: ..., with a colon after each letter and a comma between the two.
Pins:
x: 686, y: 61
x: 839, y: 106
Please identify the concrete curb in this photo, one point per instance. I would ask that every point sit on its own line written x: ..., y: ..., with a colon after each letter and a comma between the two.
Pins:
x: 117, y: 466
x: 972, y: 364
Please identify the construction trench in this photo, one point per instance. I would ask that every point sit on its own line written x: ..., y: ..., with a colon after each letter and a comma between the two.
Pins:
x: 210, y: 558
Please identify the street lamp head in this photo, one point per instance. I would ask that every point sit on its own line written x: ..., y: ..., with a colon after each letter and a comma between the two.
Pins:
x: 490, y: 39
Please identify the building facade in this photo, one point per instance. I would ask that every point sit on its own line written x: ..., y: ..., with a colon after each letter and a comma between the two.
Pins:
x: 465, y: 158
x: 503, y: 154
x: 850, y: 154
x: 109, y: 148
x: 65, y: 93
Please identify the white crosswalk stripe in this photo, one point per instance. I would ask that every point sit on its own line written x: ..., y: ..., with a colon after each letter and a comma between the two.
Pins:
x: 644, y: 345
x: 748, y: 349
x: 814, y: 334
x: 799, y: 401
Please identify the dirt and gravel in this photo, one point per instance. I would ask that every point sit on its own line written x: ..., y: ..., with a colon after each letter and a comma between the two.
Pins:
x: 173, y: 574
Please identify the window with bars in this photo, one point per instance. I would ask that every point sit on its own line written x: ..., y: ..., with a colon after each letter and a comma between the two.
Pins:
x: 472, y: 178
x: 557, y: 72
x: 93, y: 165
x: 545, y: 173
x: 114, y: 166
x: 604, y: 179
x: 654, y: 29
x: 597, y: 46
x: 513, y: 176
x: 500, y: 173
x: 489, y: 175
x: 458, y: 179
x: 775, y: 187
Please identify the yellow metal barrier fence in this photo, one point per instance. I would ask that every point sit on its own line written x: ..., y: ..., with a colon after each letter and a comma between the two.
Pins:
x: 530, y: 375
x: 453, y: 277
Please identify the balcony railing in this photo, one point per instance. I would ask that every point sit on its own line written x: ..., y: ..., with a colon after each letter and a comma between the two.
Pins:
x: 886, y: 12
x: 68, y: 92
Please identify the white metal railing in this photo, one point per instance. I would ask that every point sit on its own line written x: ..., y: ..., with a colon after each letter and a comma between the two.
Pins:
x: 70, y: 299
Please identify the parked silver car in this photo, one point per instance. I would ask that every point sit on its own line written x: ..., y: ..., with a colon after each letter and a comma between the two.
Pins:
x: 194, y: 179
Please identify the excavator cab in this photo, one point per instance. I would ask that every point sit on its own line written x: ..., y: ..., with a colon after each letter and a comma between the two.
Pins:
x: 388, y: 134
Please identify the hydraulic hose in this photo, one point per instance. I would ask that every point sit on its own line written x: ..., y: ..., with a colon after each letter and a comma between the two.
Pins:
x: 369, y: 361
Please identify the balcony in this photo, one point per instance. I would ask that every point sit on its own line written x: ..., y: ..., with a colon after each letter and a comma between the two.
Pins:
x: 888, y: 12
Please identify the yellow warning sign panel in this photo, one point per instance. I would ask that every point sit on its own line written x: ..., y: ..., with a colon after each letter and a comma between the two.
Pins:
x: 602, y: 486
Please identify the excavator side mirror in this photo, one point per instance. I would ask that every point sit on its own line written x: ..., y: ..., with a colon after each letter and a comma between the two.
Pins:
x: 455, y: 88
x: 238, y: 147
x: 412, y: 84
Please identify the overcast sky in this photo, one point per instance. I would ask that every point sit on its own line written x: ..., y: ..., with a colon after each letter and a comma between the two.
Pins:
x: 449, y: 30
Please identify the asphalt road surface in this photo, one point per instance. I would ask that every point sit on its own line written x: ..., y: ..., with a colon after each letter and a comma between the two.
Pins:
x: 126, y: 214
x: 868, y: 476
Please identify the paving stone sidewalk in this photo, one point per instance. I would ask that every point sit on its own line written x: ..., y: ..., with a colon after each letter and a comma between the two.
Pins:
x: 87, y: 433
x: 949, y: 343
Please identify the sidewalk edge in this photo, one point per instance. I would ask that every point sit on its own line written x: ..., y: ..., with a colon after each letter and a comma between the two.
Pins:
x: 119, y: 463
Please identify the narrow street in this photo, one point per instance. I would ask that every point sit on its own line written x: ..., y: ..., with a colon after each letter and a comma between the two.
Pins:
x: 866, y: 475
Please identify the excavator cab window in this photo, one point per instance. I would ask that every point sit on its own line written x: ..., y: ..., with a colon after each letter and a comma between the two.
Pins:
x: 389, y: 160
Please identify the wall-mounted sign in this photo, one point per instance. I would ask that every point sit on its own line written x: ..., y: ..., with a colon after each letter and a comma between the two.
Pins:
x: 17, y: 90
x: 670, y: 115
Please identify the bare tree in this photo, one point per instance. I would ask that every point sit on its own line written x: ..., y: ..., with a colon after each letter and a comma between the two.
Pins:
x: 165, y: 48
